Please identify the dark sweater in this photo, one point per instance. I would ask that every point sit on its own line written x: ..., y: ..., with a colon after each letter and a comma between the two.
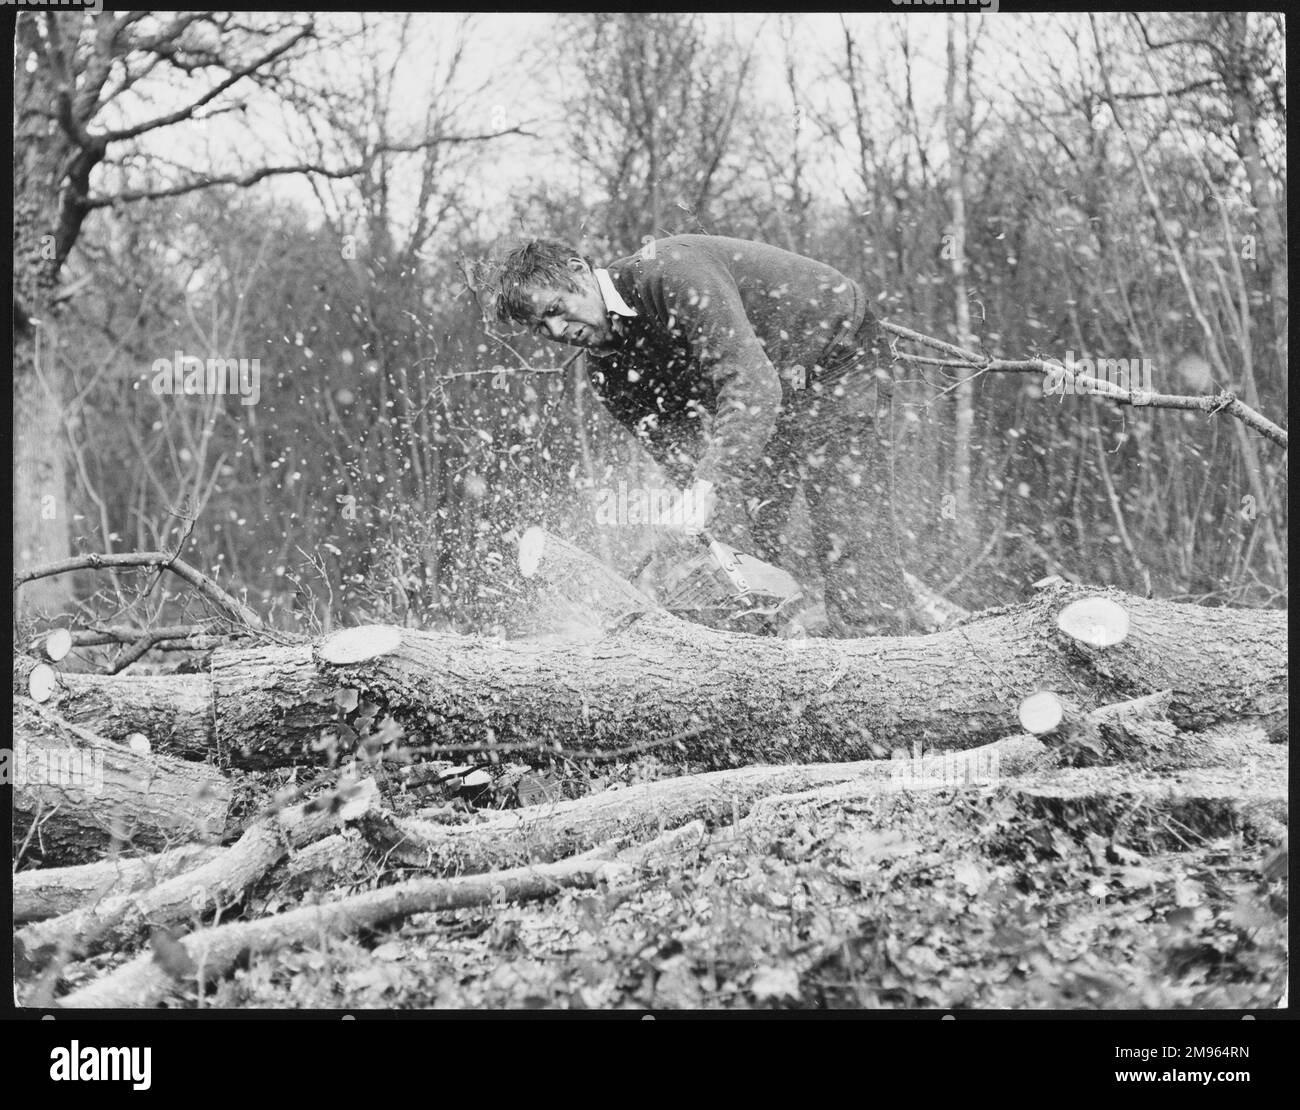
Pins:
x: 721, y: 324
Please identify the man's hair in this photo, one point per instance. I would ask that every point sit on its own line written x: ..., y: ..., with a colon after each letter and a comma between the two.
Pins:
x: 538, y: 263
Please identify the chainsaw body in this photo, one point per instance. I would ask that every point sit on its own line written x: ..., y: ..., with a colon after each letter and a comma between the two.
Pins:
x: 714, y: 584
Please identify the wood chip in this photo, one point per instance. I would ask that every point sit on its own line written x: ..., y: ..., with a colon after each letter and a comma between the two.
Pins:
x: 531, y: 546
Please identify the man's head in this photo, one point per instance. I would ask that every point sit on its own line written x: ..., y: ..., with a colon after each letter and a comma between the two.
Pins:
x: 552, y: 288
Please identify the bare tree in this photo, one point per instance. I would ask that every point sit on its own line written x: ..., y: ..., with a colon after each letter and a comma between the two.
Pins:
x: 79, y: 148
x: 958, y: 128
x: 655, y: 118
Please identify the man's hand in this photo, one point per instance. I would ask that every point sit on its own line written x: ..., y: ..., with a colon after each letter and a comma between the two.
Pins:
x: 689, y: 514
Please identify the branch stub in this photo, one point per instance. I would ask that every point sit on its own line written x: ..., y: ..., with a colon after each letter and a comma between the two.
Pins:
x: 41, y: 682
x: 1095, y: 621
x: 1041, y: 712
x: 57, y: 644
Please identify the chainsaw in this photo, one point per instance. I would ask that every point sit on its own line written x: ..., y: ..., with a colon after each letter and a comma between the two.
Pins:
x: 725, y: 588
x: 722, y: 587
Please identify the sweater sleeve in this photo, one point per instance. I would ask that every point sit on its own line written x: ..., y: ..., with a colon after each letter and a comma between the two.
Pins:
x: 697, y: 300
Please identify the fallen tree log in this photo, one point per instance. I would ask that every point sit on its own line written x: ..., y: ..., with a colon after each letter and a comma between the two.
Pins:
x: 1111, y: 734
x: 1142, y: 809
x: 547, y: 832
x: 1138, y: 808
x: 214, y: 951
x: 742, y: 699
x: 1202, y: 802
x: 78, y: 794
x: 216, y: 885
x: 172, y: 711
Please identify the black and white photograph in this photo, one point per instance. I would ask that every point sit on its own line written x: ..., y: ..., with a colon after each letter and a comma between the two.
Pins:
x: 652, y: 513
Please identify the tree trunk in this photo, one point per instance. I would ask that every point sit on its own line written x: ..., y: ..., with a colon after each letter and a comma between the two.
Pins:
x: 40, y: 521
x: 741, y: 699
x: 40, y: 510
x: 964, y: 417
x: 1236, y: 70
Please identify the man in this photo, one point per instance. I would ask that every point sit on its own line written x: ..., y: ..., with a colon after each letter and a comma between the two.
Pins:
x: 745, y: 370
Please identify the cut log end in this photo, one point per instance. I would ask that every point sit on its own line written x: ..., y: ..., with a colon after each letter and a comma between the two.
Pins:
x: 1040, y: 713
x: 57, y: 645
x: 42, y: 682
x: 1095, y: 621
x: 356, y: 645
x: 531, y: 546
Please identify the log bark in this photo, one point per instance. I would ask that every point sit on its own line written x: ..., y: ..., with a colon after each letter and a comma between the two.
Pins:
x: 172, y: 711
x: 747, y: 699
x: 79, y: 794
x: 325, y: 864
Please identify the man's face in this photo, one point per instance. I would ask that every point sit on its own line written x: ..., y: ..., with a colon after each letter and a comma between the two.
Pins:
x: 576, y: 317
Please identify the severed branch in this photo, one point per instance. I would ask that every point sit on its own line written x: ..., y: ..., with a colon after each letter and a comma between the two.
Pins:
x: 213, y: 885
x: 548, y: 832
x: 138, y: 648
x: 143, y: 981
x: 1251, y: 795
x: 1224, y: 401
x: 196, y: 578
x: 43, y: 892
x: 54, y: 645
x: 544, y: 833
x: 193, y: 637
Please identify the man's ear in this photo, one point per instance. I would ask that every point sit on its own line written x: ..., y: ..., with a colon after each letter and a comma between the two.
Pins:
x: 578, y: 266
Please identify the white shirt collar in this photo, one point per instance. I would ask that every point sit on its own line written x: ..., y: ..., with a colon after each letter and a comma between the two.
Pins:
x: 613, y: 299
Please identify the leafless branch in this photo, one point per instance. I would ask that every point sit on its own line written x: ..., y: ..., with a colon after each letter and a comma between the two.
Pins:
x: 1211, y: 404
x: 177, y: 566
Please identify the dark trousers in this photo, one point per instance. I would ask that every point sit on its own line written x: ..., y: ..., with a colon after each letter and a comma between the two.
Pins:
x: 833, y: 437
